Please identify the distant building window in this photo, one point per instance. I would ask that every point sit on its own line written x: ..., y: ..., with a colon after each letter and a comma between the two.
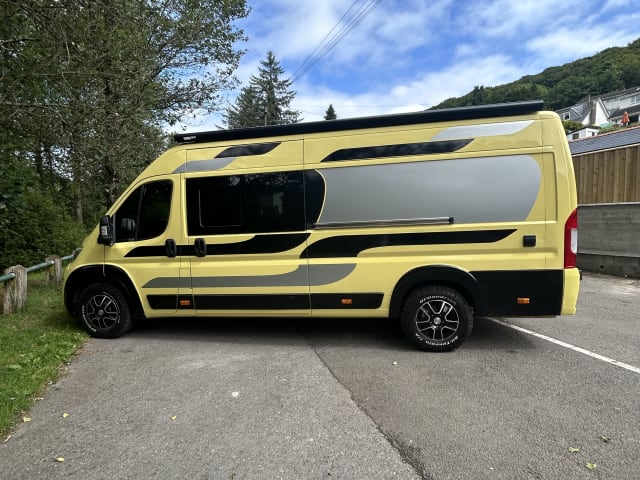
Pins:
x: 565, y: 116
x: 575, y: 136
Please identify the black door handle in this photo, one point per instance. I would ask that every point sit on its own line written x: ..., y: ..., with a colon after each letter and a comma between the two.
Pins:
x: 170, y: 247
x: 201, y: 247
x: 529, y: 241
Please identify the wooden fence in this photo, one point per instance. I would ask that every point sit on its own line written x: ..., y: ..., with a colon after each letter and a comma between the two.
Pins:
x: 608, y: 176
x: 14, y: 295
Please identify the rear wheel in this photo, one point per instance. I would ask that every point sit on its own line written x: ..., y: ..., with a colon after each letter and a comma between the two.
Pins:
x: 104, y: 311
x: 436, y: 318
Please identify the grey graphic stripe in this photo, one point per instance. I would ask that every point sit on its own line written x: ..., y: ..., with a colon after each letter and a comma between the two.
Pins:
x: 302, y: 276
x: 484, y: 130
x: 204, y: 165
x: 471, y: 190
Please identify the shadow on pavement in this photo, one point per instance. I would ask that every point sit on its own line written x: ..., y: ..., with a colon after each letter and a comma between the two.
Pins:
x: 373, y: 333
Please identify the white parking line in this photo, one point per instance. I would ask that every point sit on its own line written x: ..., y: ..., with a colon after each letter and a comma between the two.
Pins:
x: 568, y: 345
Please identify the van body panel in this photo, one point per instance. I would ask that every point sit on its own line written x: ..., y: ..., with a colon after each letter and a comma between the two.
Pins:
x: 571, y: 288
x: 348, y: 217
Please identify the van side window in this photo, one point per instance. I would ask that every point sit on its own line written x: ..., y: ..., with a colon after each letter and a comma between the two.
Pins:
x: 254, y: 203
x: 145, y: 214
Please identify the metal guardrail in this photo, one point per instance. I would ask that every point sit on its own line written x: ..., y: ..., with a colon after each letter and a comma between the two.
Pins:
x: 34, y: 268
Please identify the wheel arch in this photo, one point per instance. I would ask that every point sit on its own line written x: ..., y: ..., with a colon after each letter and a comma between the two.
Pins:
x: 85, y: 276
x: 454, y: 277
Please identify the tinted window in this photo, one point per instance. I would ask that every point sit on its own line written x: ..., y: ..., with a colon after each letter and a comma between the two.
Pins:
x: 145, y: 214
x: 269, y: 202
x: 218, y: 202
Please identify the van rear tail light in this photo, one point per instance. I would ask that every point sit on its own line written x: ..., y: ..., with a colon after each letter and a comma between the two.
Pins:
x: 571, y: 240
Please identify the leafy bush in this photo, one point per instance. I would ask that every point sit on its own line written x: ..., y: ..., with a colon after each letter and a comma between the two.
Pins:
x: 33, y: 222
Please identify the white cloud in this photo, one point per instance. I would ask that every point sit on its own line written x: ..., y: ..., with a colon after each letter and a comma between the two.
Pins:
x: 509, y: 19
x: 564, y: 46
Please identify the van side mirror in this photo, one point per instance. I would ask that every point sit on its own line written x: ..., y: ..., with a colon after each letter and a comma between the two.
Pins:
x: 105, y: 236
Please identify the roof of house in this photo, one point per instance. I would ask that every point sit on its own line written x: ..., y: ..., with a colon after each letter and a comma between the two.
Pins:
x: 581, y: 110
x: 607, y: 96
x: 631, y: 110
x: 576, y: 112
x: 620, y: 93
x: 606, y: 141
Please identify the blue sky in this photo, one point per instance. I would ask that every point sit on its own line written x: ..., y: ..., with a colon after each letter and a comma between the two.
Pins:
x: 408, y: 55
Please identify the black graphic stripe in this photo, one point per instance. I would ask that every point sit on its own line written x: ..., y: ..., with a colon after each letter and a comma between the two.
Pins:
x: 248, y: 150
x: 314, y: 192
x: 397, y: 150
x: 255, y: 245
x: 148, y: 251
x: 352, y: 245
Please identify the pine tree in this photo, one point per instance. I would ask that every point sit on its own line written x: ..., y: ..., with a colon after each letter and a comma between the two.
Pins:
x: 266, y: 101
x: 330, y: 114
x: 246, y: 112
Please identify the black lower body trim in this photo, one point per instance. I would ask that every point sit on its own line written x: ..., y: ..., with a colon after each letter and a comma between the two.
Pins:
x: 346, y: 301
x: 171, y: 302
x: 317, y: 301
x: 501, y: 289
x: 252, y: 302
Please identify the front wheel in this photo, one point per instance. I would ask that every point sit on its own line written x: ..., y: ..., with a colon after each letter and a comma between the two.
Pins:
x: 104, y: 311
x: 436, y: 318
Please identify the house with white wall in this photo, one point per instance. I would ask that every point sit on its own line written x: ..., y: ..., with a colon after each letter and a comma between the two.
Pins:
x: 602, y: 111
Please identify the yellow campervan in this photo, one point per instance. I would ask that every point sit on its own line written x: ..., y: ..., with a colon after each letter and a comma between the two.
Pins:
x: 429, y: 217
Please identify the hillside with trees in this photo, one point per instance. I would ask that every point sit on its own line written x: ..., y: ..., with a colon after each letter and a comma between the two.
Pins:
x: 612, y: 69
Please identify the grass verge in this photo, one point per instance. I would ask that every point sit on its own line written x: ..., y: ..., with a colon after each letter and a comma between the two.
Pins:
x: 34, y: 345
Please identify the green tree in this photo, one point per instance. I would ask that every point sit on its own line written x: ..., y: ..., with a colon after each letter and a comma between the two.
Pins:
x: 571, y: 126
x: 330, y: 114
x: 266, y: 101
x: 478, y: 95
x: 86, y: 89
x: 93, y: 83
x: 247, y: 110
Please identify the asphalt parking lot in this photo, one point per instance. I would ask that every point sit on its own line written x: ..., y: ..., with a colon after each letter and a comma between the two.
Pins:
x: 543, y: 398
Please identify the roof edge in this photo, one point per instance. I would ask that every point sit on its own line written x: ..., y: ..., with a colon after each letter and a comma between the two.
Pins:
x: 427, y: 116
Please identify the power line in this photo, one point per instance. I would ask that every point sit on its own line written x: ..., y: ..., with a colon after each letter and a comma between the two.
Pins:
x: 361, y: 12
x: 310, y: 56
x: 323, y: 48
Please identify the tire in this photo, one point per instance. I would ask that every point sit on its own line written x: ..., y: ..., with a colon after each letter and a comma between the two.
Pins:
x: 104, y: 311
x: 436, y: 318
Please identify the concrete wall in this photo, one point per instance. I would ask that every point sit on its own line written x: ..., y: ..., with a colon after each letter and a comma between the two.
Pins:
x: 609, y: 238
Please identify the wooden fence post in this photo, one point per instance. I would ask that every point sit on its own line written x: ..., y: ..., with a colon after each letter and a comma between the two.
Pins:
x: 54, y: 273
x: 15, y: 291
